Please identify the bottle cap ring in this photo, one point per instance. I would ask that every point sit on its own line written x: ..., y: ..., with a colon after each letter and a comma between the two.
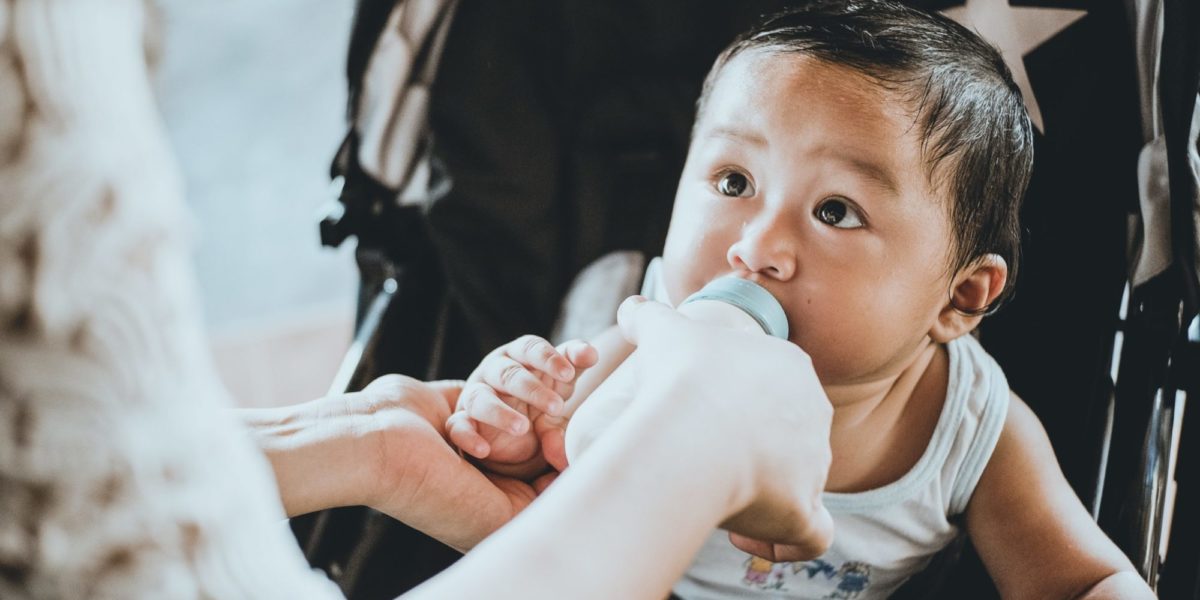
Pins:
x: 752, y: 298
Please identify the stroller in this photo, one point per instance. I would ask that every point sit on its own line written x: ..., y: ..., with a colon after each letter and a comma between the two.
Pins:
x: 497, y: 149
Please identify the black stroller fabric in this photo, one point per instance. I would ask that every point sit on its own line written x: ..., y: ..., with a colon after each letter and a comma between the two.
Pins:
x: 559, y: 127
x: 563, y: 127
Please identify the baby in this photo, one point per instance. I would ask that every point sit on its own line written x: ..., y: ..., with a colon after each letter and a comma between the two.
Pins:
x: 864, y: 162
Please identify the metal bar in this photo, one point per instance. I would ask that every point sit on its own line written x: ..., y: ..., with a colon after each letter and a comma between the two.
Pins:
x: 1114, y: 368
x: 365, y: 339
x: 1154, y: 481
x: 348, y: 378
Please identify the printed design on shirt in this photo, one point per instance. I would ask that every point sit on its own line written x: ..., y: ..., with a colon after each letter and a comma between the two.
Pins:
x: 852, y: 578
x: 764, y: 574
x: 846, y: 582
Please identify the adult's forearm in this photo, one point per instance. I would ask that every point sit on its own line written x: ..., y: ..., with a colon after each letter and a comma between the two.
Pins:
x: 633, y: 512
x: 313, y: 449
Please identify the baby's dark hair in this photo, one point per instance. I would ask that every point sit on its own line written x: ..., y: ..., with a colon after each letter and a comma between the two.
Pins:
x: 971, y: 116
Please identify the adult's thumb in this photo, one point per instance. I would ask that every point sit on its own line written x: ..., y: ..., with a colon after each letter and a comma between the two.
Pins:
x: 552, y: 436
x: 639, y: 317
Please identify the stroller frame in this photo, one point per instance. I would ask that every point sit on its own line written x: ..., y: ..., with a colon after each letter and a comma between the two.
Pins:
x: 1146, y: 463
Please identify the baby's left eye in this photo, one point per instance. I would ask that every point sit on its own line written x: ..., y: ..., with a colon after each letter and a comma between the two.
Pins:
x: 838, y: 213
x: 735, y: 185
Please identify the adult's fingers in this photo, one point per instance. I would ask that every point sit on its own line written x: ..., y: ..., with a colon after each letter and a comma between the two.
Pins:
x: 449, y: 389
x: 392, y: 384
x: 820, y: 533
x: 541, y: 483
x: 551, y: 434
x: 580, y: 354
x: 759, y: 548
x: 816, y: 536
x: 638, y: 316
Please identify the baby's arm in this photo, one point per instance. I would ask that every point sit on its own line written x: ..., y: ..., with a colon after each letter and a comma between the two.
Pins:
x: 1033, y: 533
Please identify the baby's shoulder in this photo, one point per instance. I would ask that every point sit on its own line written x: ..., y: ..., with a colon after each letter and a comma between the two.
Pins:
x: 976, y: 413
x: 1022, y: 454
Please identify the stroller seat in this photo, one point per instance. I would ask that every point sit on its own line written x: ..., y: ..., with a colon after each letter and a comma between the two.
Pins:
x: 523, y: 141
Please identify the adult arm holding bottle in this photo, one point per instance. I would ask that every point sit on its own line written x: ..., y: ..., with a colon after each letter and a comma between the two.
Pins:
x: 622, y: 504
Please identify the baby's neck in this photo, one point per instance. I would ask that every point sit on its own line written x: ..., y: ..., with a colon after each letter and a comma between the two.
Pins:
x: 854, y: 403
x: 866, y: 418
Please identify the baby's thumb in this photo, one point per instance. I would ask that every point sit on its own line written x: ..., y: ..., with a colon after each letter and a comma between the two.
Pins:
x: 639, y: 317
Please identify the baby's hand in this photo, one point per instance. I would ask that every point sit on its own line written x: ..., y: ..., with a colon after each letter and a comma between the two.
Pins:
x: 514, y: 399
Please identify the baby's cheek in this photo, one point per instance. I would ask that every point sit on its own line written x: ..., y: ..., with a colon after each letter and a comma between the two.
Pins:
x: 680, y: 276
x: 835, y: 332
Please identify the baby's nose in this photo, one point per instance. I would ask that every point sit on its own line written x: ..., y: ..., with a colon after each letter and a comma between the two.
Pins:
x: 764, y: 249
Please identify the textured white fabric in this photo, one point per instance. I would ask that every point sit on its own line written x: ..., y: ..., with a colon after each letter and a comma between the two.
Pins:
x: 120, y: 475
x: 396, y: 91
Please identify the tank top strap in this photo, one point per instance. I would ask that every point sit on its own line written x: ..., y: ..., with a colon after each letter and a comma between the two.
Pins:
x: 986, y: 396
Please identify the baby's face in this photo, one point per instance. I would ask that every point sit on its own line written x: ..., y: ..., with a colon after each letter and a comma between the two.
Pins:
x: 808, y: 179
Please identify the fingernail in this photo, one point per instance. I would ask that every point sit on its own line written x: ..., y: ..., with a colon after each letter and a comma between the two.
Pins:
x: 555, y: 408
x: 518, y: 427
x: 565, y: 373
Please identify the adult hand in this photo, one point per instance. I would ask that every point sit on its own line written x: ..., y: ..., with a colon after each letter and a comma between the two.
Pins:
x: 424, y: 482
x: 622, y: 499
x: 775, y: 425
x: 385, y: 447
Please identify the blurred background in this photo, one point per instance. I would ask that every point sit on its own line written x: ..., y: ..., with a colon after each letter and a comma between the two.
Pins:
x: 253, y: 95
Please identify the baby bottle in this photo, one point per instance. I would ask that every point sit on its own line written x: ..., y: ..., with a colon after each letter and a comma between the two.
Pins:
x: 729, y: 301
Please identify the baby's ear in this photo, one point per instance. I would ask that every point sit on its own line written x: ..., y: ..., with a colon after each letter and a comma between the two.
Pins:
x: 973, y: 291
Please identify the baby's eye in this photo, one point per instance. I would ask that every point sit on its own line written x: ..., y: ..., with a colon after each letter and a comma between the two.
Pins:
x: 838, y: 213
x: 735, y: 185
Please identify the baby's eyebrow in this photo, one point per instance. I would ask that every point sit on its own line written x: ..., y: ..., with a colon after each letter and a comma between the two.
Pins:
x: 738, y: 135
x: 862, y: 166
x: 869, y: 170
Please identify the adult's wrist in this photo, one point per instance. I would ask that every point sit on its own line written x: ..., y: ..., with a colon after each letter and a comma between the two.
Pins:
x: 669, y: 436
x: 648, y: 487
x: 319, y: 451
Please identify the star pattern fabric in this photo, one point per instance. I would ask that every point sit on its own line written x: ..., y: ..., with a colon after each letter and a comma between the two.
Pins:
x: 1016, y: 31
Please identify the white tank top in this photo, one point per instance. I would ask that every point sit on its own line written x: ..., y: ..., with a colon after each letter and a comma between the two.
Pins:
x: 885, y: 535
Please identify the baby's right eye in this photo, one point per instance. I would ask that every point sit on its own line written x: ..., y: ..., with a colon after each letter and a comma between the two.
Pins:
x: 734, y: 185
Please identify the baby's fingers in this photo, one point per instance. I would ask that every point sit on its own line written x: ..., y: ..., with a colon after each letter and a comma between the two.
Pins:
x: 507, y: 375
x: 463, y: 433
x: 481, y: 404
x: 582, y: 357
x: 539, y: 355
